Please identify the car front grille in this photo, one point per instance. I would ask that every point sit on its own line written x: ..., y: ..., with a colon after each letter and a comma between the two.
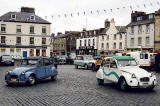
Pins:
x: 144, y: 79
x: 14, y: 76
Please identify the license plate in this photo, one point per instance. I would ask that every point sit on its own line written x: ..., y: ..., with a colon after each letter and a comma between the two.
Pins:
x: 13, y: 79
x: 145, y: 84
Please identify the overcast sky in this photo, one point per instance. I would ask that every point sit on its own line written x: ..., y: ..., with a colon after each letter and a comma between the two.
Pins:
x: 55, y: 10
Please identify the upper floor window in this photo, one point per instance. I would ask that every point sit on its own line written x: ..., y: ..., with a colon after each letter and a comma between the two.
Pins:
x: 32, y: 17
x: 3, y: 39
x: 3, y: 27
x: 139, y: 18
x: 140, y: 29
x: 43, y: 40
x: 32, y: 29
x: 31, y: 40
x: 13, y: 16
x: 107, y: 46
x: 132, y: 41
x: 85, y: 42
x: 151, y: 16
x: 139, y: 41
x: 108, y: 37
x: 18, y: 28
x: 93, y: 42
x: 120, y: 45
x: 132, y: 30
x: 43, y: 29
x: 147, y: 40
x: 102, y: 45
x: 114, y: 45
x: 102, y: 37
x: 80, y: 43
x: 89, y: 42
x: 18, y: 40
x: 147, y: 28
x: 120, y: 37
x: 114, y: 36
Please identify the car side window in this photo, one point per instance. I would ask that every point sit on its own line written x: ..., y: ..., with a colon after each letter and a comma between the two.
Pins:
x: 40, y: 62
x: 47, y: 62
x: 113, y: 64
x: 106, y: 63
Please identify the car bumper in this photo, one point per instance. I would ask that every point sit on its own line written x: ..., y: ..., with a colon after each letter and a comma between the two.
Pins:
x: 15, y: 82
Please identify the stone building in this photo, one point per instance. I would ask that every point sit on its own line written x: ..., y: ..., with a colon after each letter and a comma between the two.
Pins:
x: 112, y: 38
x: 141, y: 31
x: 157, y: 30
x: 24, y: 34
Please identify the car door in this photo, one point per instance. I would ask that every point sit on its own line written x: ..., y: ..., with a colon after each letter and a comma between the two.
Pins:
x: 106, y: 68
x: 114, y: 72
x: 48, y: 66
x: 40, y: 69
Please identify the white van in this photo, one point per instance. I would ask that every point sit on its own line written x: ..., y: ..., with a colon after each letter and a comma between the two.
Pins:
x: 142, y: 58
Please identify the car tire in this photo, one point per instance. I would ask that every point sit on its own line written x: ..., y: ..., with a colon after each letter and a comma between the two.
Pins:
x: 76, y: 66
x: 151, y: 88
x: 54, y: 78
x: 122, y: 84
x: 32, y: 80
x: 100, y: 81
x: 86, y: 66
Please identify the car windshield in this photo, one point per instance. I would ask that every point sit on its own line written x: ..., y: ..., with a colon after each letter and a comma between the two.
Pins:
x: 88, y: 58
x: 127, y: 63
x: 29, y: 62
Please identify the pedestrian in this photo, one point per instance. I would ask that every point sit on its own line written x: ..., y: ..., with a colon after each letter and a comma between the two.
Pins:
x: 157, y: 61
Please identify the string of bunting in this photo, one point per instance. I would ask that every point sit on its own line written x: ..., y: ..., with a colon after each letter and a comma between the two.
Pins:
x: 92, y: 12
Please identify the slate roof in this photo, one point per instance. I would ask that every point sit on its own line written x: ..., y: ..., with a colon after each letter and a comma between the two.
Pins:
x: 121, y: 29
x: 143, y: 22
x: 23, y: 17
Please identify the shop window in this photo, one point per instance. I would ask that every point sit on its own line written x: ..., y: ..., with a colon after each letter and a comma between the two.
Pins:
x: 3, y: 51
x: 43, y: 52
x: 37, y: 52
x: 12, y: 52
x: 31, y: 52
x: 18, y: 52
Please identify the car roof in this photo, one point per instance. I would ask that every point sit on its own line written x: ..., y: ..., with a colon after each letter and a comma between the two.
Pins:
x: 34, y: 58
x: 123, y: 58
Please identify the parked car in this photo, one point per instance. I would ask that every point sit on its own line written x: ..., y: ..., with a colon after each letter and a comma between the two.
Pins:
x: 62, y: 59
x: 6, y: 60
x: 83, y: 61
x: 142, y: 58
x: 31, y: 70
x: 70, y: 58
x: 94, y: 65
x: 124, y: 71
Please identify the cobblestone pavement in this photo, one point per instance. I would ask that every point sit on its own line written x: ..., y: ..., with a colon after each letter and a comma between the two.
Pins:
x: 74, y: 87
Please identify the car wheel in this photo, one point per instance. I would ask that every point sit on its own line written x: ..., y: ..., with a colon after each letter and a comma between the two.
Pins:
x: 86, y: 67
x: 100, y: 81
x: 151, y: 88
x: 54, y: 77
x: 76, y: 66
x: 32, y: 80
x: 123, y: 84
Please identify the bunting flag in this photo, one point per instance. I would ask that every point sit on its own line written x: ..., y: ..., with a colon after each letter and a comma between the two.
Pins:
x: 52, y: 17
x: 151, y: 4
x: 78, y: 13
x: 104, y: 10
x: 97, y: 11
x: 91, y: 12
x: 124, y: 7
x: 131, y: 7
x: 144, y: 6
x: 84, y: 13
x: 65, y: 15
x: 71, y: 15
x: 111, y: 10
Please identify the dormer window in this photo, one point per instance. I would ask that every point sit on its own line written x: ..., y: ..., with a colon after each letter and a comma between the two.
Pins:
x: 32, y: 17
x: 13, y: 16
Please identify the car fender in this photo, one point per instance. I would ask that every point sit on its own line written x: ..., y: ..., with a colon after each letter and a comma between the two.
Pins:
x: 27, y: 74
x: 100, y: 74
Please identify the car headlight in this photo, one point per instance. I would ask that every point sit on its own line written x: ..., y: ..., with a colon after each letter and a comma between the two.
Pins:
x: 23, y: 73
x: 133, y: 76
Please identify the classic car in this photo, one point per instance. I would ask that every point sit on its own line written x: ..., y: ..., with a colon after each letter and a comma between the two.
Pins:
x: 6, y: 60
x: 94, y: 65
x: 124, y: 71
x: 31, y: 70
x: 83, y: 61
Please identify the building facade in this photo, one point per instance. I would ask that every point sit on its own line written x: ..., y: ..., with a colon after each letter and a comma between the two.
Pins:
x: 140, y: 32
x: 157, y: 31
x: 64, y: 44
x: 87, y: 42
x: 112, y: 38
x: 24, y: 34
